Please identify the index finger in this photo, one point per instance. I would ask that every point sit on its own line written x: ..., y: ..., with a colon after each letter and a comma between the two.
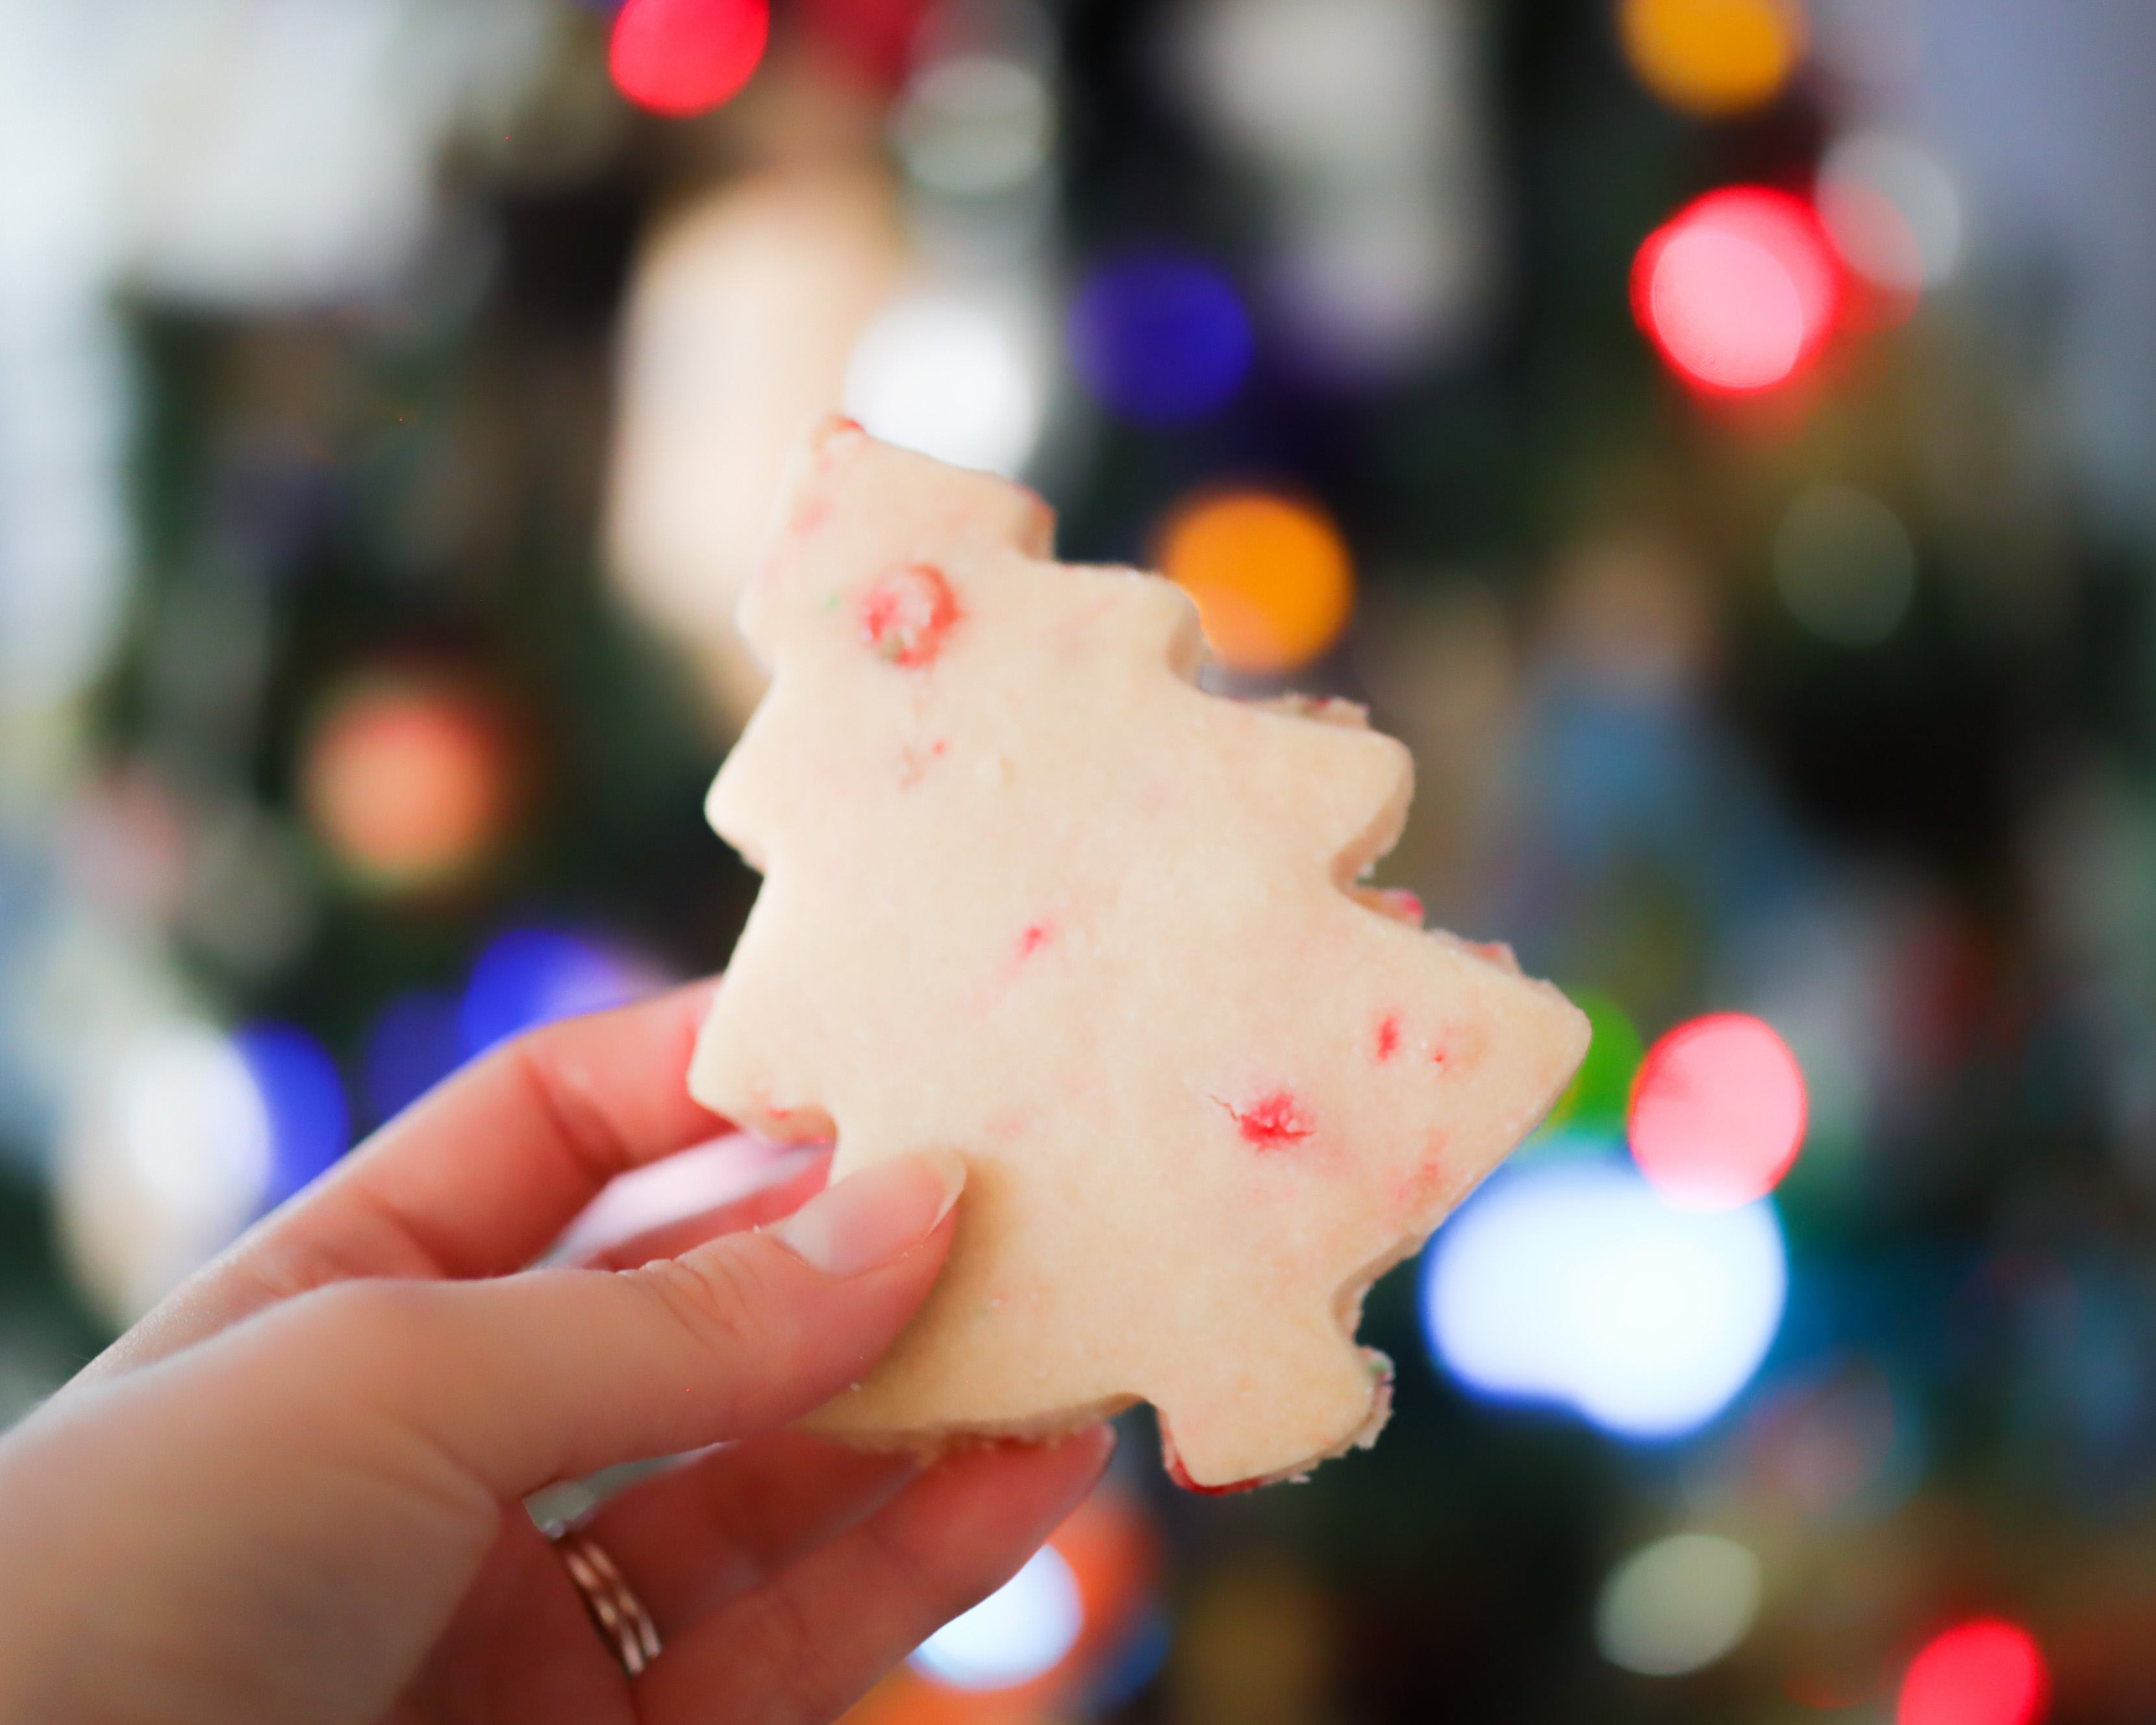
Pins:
x: 477, y: 1178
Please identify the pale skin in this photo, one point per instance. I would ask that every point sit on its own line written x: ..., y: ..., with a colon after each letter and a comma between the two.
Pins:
x: 292, y: 1492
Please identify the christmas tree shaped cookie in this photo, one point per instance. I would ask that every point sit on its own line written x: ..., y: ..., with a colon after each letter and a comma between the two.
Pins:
x: 1033, y: 897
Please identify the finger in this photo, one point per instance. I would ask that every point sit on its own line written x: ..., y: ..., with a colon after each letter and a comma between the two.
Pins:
x: 522, y: 1380
x: 717, y: 1526
x: 755, y: 1209
x: 475, y: 1179
x: 807, y: 1646
x: 485, y: 1172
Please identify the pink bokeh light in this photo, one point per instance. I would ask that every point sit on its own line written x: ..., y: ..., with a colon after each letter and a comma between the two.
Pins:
x: 1987, y: 1672
x: 1718, y: 1112
x: 1738, y: 290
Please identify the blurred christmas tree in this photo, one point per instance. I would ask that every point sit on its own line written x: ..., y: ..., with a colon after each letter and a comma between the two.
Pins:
x: 1628, y: 401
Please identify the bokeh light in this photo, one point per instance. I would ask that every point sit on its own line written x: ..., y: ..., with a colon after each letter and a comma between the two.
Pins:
x: 1272, y: 576
x: 1738, y: 290
x: 1019, y: 1633
x: 309, y: 1119
x: 1712, y: 57
x: 1892, y: 209
x: 1844, y: 565
x: 974, y: 125
x: 1159, y: 337
x: 195, y: 1131
x: 946, y: 377
x: 680, y: 56
x: 529, y: 977
x: 414, y: 1043
x: 1718, y: 1112
x: 1677, y: 1605
x: 1574, y: 1282
x: 408, y: 780
x: 1987, y: 1672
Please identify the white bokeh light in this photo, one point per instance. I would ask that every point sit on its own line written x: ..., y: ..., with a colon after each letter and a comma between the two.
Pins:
x: 193, y: 1129
x: 1020, y: 1632
x: 1577, y: 1284
x: 1892, y: 209
x: 1677, y: 1605
x: 975, y: 125
x: 949, y: 378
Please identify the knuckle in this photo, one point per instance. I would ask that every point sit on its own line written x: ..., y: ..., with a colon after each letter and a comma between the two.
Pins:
x: 720, y: 1297
x: 354, y: 1334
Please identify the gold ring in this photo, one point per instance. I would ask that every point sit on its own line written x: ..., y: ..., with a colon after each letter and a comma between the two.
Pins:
x: 616, y: 1612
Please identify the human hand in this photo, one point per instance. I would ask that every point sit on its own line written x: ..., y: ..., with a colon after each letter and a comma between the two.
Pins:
x: 292, y: 1491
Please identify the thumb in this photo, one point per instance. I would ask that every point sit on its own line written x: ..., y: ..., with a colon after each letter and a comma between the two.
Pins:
x: 531, y: 1378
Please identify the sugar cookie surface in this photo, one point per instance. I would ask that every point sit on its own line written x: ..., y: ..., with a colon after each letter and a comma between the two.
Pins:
x: 1033, y: 897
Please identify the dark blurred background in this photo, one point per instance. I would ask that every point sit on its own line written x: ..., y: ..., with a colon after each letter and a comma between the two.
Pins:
x: 1719, y: 435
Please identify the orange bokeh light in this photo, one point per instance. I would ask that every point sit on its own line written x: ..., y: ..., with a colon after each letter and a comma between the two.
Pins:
x: 1272, y: 576
x: 1738, y: 290
x: 1712, y: 58
x: 1718, y: 1112
x: 409, y: 781
x: 1988, y: 1672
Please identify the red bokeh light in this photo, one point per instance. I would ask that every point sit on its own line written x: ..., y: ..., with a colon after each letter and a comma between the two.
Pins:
x: 1989, y: 1673
x: 1739, y: 289
x: 680, y: 56
x: 1718, y: 1112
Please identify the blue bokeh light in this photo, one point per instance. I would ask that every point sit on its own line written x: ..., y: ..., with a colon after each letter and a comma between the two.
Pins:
x: 415, y: 1043
x: 529, y: 977
x: 1574, y: 1282
x: 1160, y: 338
x: 302, y: 1095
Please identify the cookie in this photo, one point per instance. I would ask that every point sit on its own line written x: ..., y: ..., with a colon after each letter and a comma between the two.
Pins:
x: 1033, y: 897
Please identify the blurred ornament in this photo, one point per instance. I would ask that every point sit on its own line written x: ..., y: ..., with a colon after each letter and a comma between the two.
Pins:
x: 1988, y: 1672
x: 1712, y: 58
x: 1595, y: 1102
x: 683, y: 57
x: 1677, y: 1605
x: 1371, y: 285
x: 742, y: 316
x: 974, y: 125
x: 409, y: 780
x: 1159, y: 337
x: 1844, y: 565
x: 309, y: 1121
x: 944, y: 374
x: 1717, y: 1112
x: 1739, y: 290
x: 414, y: 1043
x: 1574, y: 1282
x: 1892, y: 209
x: 221, y: 153
x: 529, y: 977
x: 1365, y: 119
x: 1272, y: 577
